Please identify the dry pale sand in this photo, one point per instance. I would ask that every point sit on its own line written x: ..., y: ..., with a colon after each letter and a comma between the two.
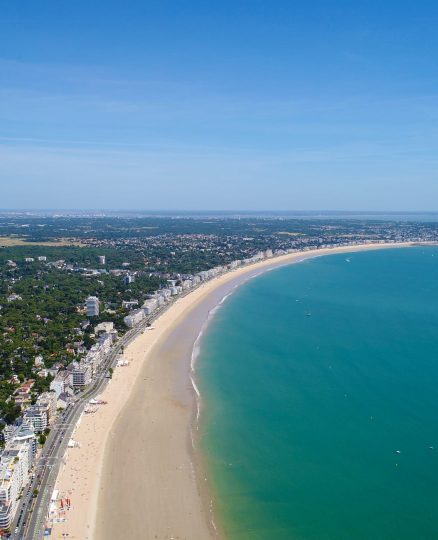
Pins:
x: 134, y: 476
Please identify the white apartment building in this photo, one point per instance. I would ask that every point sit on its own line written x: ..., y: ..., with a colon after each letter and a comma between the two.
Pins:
x: 104, y: 343
x: 15, y: 463
x: 129, y: 304
x: 93, y: 306
x: 166, y: 293
x: 47, y: 403
x: 203, y: 276
x: 60, y: 383
x: 134, y: 318
x: 102, y: 259
x: 37, y: 417
x: 150, y: 306
x: 42, y: 414
x: 25, y: 434
x: 104, y: 327
x: 10, y: 485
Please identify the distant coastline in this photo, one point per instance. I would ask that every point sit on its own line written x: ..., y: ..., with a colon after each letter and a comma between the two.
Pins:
x: 121, y: 492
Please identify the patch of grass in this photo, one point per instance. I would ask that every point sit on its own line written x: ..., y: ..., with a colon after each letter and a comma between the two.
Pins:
x: 9, y: 241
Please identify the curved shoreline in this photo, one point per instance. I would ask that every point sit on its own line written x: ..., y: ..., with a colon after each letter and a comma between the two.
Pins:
x: 119, y: 492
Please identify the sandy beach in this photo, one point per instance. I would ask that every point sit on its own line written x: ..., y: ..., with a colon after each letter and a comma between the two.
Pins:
x: 134, y: 473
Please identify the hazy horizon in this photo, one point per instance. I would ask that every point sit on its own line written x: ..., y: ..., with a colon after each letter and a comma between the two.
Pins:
x: 206, y: 212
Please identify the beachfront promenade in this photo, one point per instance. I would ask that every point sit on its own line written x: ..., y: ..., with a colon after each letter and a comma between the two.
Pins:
x: 31, y: 516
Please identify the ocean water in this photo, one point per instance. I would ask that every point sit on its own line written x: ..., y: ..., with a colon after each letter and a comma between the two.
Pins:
x: 320, y: 386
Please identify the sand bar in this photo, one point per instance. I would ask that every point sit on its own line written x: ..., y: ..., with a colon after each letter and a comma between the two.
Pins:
x: 134, y: 474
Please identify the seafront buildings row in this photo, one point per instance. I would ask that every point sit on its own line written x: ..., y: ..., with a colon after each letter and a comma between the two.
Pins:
x: 178, y: 286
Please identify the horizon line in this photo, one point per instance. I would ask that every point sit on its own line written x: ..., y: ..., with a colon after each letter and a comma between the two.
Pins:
x: 225, y: 211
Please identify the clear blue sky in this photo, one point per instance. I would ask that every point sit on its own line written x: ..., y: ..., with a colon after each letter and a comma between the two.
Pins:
x: 231, y: 104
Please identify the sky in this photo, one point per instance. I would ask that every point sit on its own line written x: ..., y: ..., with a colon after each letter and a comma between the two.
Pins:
x: 226, y: 105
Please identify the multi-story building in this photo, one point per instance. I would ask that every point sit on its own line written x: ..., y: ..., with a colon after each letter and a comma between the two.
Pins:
x: 134, y: 318
x: 62, y: 401
x: 104, y: 327
x: 166, y: 293
x: 160, y: 299
x: 26, y: 434
x: 105, y: 341
x: 93, y: 306
x: 129, y: 304
x: 80, y: 374
x: 203, y: 276
x: 60, y: 383
x: 234, y: 264
x: 47, y: 403
x: 187, y: 284
x: 37, y: 417
x: 10, y: 486
x: 150, y: 306
x: 102, y: 259
x: 15, y: 463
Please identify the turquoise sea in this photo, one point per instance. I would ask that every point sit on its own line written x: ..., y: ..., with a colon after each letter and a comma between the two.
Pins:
x: 320, y: 386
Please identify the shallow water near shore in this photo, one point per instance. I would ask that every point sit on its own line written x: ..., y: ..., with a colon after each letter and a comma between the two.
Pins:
x: 319, y: 383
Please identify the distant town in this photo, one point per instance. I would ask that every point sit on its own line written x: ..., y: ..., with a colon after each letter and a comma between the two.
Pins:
x: 73, y: 288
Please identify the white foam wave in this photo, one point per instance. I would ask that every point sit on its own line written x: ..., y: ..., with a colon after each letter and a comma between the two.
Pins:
x: 196, y: 345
